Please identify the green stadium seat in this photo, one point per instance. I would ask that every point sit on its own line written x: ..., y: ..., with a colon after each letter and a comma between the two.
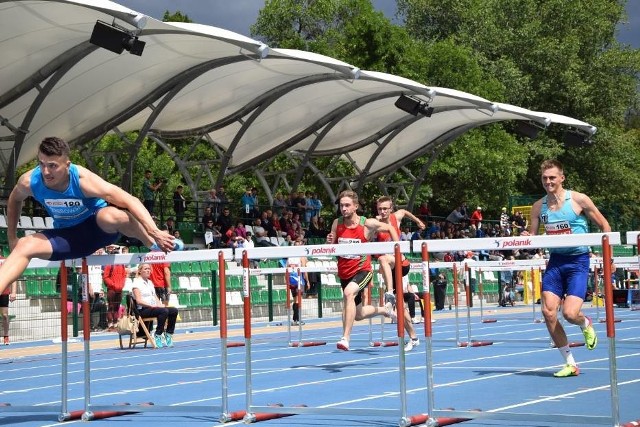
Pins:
x: 48, y: 288
x: 3, y: 236
x: 205, y: 299
x: 194, y: 300
x: 183, y: 299
x: 196, y: 267
x: 33, y: 288
x: 205, y: 281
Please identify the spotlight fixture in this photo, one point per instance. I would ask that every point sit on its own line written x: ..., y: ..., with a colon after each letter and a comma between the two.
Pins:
x: 414, y: 105
x: 528, y: 129
x: 115, y: 39
x: 574, y: 138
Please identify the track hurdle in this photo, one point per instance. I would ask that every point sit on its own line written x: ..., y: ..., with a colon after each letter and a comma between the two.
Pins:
x: 90, y: 410
x: 592, y: 239
x: 60, y: 410
x: 334, y: 250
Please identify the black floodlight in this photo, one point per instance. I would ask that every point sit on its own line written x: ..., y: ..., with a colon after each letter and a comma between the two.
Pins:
x: 527, y: 129
x: 115, y: 39
x: 573, y: 138
x: 414, y: 105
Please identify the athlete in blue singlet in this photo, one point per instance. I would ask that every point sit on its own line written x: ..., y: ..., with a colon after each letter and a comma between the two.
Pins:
x: 76, y: 199
x: 565, y: 212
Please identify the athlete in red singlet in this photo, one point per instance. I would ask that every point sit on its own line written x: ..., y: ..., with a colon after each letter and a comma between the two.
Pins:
x: 387, y: 262
x: 355, y: 270
x: 388, y: 216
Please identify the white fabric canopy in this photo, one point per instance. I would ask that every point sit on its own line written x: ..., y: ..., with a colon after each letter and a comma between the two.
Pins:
x: 194, y: 80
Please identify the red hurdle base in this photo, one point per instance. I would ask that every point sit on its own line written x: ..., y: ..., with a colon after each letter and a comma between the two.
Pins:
x: 384, y: 344
x: 489, y: 320
x: 614, y: 320
x: 440, y: 421
x: 235, y: 344
x: 307, y: 343
x: 99, y: 415
x: 475, y: 343
x: 239, y: 415
x: 631, y: 424
x: 270, y: 416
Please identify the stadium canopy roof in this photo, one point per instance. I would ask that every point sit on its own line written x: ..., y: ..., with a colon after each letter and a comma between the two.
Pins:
x: 249, y: 100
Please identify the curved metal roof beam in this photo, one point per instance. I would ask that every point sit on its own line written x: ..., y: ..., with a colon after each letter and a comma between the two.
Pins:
x: 74, y: 56
x: 157, y: 93
x: 342, y: 111
x: 446, y: 138
x: 268, y: 97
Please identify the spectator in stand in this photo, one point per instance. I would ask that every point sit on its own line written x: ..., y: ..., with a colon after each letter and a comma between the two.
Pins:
x: 519, y: 223
x: 114, y: 277
x: 256, y: 203
x: 279, y: 204
x: 213, y: 203
x: 286, y: 223
x: 308, y: 209
x: 505, y: 222
x: 276, y: 220
x: 424, y: 212
x: 177, y: 235
x: 456, y: 216
x: 179, y: 203
x: 7, y: 296
x: 222, y: 196
x: 225, y: 220
x: 161, y: 278
x: 207, y: 215
x: 149, y: 191
x: 297, y: 283
x: 248, y: 204
x: 150, y: 306
x: 169, y: 226
x: 300, y: 205
x: 212, y: 235
x: 241, y: 230
x: 406, y: 234
x: 316, y: 205
x: 439, y: 291
x: 261, y: 235
x: 234, y: 241
x: 314, y: 228
x: 96, y: 295
x: 476, y: 218
x: 266, y: 220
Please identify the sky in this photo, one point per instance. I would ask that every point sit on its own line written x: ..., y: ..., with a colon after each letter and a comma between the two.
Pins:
x: 238, y: 15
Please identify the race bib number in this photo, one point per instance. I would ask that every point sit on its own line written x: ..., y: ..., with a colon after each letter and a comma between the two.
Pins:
x: 65, y: 208
x: 558, y: 228
x: 349, y: 240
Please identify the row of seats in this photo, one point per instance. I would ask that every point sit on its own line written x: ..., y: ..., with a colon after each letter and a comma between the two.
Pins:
x: 28, y: 222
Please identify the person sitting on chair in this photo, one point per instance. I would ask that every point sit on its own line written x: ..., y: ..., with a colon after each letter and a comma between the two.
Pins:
x: 149, y: 305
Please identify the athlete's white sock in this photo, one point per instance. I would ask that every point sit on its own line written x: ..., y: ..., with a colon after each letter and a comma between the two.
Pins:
x: 586, y: 323
x: 568, y: 357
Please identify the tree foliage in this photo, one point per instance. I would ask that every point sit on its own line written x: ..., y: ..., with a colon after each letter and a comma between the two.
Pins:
x: 559, y: 56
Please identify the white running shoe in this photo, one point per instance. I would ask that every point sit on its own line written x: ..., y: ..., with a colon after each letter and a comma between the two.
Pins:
x: 343, y: 344
x: 413, y: 342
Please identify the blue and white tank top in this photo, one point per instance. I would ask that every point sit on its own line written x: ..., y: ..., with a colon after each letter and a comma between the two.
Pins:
x: 68, y: 207
x: 564, y: 221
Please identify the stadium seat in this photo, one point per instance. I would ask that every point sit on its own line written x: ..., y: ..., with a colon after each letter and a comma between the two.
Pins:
x: 3, y: 221
x: 38, y: 222
x: 25, y: 222
x: 48, y: 221
x: 205, y: 299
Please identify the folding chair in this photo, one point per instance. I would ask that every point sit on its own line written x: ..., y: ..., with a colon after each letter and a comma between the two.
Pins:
x: 144, y: 324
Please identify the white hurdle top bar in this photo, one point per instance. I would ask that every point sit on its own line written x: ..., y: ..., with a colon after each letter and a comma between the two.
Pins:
x: 521, y: 242
x: 632, y: 237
